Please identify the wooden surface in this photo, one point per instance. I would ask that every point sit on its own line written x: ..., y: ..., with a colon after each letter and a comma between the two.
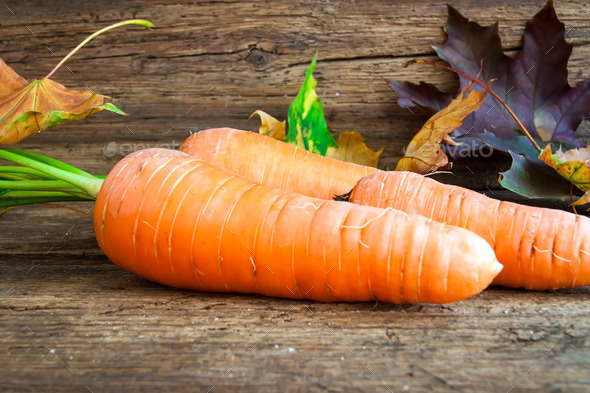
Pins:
x: 72, y: 321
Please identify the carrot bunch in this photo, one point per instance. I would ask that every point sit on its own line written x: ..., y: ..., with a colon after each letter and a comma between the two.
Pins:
x: 540, y: 248
x: 184, y: 222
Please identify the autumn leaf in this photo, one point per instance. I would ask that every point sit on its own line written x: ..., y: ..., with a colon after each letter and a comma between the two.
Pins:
x: 424, y: 154
x: 542, y: 176
x: 308, y: 129
x: 533, y: 84
x: 352, y: 148
x: 572, y: 165
x: 528, y: 176
x: 533, y: 179
x: 307, y: 125
x: 270, y: 126
x: 351, y: 144
x: 423, y: 96
x: 29, y: 108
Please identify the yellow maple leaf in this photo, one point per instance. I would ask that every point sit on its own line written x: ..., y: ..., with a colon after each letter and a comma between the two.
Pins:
x: 573, y: 166
x: 424, y: 154
x: 270, y: 126
x: 351, y: 144
x: 352, y: 148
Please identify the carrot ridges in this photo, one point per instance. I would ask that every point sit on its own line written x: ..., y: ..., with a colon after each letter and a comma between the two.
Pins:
x: 187, y: 223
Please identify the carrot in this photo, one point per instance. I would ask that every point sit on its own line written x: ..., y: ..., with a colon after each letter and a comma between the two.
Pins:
x: 277, y: 164
x: 183, y: 222
x: 540, y: 248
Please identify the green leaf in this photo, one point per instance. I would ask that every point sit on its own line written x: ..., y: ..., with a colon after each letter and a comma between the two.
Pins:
x: 307, y: 124
x: 534, y: 179
x: 531, y: 174
x: 110, y: 107
x: 528, y: 176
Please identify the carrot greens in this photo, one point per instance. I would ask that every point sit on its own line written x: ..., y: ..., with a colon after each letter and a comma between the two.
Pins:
x: 42, y: 179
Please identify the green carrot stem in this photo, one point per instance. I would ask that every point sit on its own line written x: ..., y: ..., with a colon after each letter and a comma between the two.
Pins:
x: 87, y: 184
x: 34, y: 200
x: 18, y: 176
x: 50, y: 161
x: 19, y: 194
x: 38, y: 185
x: 140, y: 22
x: 25, y: 172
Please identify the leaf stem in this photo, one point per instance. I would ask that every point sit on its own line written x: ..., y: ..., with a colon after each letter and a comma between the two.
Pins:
x: 140, y: 22
x: 487, y: 87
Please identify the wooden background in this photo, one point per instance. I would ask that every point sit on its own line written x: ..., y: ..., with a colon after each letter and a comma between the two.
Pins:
x: 72, y: 321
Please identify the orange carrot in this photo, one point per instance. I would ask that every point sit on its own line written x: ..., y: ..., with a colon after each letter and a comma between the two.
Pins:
x: 183, y: 222
x: 277, y: 164
x: 540, y: 248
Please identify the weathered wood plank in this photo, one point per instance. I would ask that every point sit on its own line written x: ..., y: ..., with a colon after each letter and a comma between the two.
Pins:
x: 218, y: 62
x: 117, y: 332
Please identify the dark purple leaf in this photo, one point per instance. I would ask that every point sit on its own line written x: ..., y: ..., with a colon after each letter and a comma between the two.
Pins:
x: 516, y: 144
x: 567, y: 112
x: 533, y: 84
x: 424, y: 95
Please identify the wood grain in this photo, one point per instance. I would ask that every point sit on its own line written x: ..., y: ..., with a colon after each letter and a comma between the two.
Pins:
x: 117, y: 332
x: 72, y: 321
x: 212, y: 64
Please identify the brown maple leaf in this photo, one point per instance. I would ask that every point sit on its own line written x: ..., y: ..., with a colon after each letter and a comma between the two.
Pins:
x: 28, y: 108
x: 351, y: 144
x: 424, y: 154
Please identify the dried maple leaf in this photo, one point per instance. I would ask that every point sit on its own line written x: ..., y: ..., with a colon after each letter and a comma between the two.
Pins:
x: 270, y: 126
x: 424, y: 154
x: 423, y: 96
x: 351, y: 144
x: 573, y: 166
x: 352, y: 148
x: 28, y: 108
x: 534, y: 83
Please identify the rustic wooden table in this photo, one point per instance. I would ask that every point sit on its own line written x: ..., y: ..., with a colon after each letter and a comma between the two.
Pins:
x: 72, y: 321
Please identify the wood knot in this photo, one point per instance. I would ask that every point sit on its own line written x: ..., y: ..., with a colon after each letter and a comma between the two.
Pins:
x: 259, y: 59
